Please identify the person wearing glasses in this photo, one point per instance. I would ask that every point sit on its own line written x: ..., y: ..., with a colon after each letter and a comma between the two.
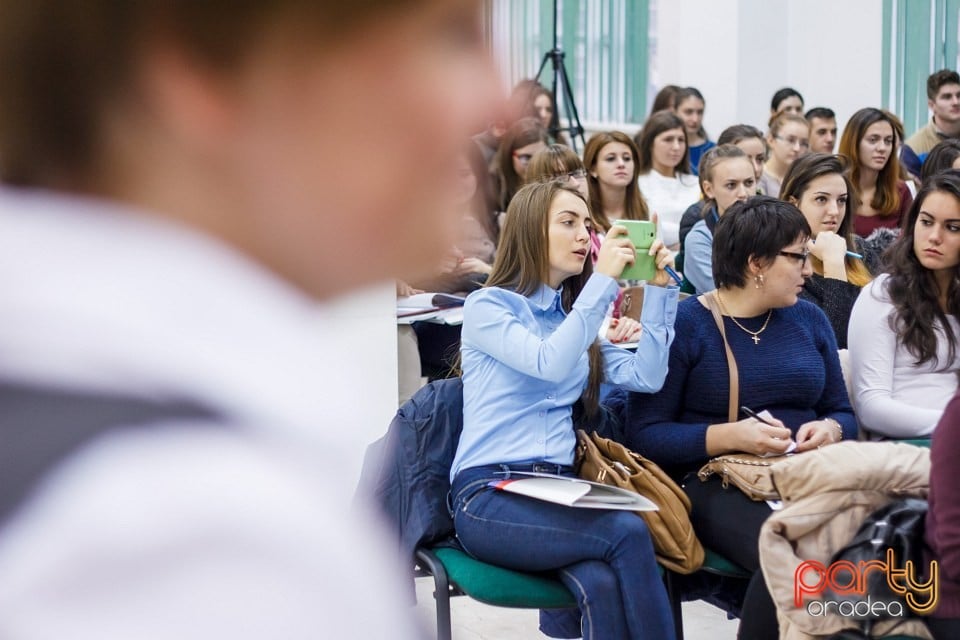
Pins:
x: 788, y: 138
x: 610, y: 158
x: 904, y: 332
x: 818, y: 185
x: 665, y: 179
x: 869, y: 141
x: 788, y: 364
x: 522, y: 140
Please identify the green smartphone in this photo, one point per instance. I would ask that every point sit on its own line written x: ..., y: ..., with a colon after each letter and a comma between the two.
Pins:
x: 642, y: 233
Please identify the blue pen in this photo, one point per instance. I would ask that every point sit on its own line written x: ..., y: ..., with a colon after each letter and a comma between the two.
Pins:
x: 854, y: 255
x: 673, y: 274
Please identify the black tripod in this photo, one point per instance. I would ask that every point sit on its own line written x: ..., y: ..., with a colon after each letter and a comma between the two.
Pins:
x: 562, y: 81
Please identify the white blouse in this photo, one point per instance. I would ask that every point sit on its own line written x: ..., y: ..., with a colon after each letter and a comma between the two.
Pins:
x: 892, y: 396
x: 669, y: 198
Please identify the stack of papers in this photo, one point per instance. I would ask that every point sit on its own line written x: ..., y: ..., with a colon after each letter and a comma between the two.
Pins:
x: 573, y: 492
x: 442, y: 308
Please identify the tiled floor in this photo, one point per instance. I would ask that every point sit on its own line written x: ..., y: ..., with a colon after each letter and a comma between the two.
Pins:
x: 475, y: 621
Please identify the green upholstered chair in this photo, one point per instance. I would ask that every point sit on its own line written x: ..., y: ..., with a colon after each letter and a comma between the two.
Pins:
x: 456, y: 573
x: 713, y: 563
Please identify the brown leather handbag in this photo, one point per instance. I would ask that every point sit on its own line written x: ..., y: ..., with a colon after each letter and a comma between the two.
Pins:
x: 746, y: 471
x: 609, y: 462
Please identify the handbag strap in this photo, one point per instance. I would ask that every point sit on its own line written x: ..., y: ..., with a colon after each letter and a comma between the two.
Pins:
x: 711, y: 299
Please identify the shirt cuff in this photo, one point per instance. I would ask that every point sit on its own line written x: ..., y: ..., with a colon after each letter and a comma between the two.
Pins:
x: 659, y: 305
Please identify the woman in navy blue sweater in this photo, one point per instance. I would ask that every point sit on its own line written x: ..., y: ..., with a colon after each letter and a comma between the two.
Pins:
x: 786, y: 354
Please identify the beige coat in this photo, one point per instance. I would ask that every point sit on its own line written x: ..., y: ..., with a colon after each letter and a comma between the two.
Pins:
x: 826, y: 495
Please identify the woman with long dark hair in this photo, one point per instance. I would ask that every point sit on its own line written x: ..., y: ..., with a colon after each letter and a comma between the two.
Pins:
x: 904, y: 334
x: 817, y: 184
x: 869, y: 140
x: 529, y: 352
x: 664, y: 167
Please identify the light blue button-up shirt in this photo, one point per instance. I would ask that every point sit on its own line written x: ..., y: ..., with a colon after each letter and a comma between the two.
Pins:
x: 525, y: 363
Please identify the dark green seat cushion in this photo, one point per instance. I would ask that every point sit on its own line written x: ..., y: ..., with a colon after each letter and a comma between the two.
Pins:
x: 715, y: 563
x: 502, y: 587
x: 920, y: 442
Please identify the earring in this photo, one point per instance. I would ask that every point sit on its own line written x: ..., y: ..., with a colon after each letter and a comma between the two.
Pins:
x: 758, y: 281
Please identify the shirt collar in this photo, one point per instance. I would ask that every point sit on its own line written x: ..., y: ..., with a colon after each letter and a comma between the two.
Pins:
x: 546, y: 297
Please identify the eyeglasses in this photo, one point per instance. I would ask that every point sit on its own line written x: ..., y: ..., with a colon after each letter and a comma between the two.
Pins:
x: 579, y: 174
x: 522, y: 158
x: 794, y: 142
x: 800, y: 257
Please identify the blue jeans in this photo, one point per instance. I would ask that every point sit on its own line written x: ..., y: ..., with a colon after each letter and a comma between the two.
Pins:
x: 604, y: 557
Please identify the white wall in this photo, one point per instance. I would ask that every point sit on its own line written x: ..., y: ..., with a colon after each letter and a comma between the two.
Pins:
x: 739, y: 52
x: 368, y: 322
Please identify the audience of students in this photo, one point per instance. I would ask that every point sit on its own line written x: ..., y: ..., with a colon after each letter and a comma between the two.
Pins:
x: 726, y: 177
x: 530, y: 351
x: 788, y: 364
x: 665, y: 179
x: 788, y: 138
x: 817, y: 184
x: 904, y: 325
x: 792, y: 278
x: 823, y: 129
x: 869, y: 141
x: 611, y: 159
x: 689, y: 106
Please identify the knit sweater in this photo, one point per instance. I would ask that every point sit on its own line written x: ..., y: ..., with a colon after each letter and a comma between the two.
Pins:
x: 794, y: 372
x: 943, y: 518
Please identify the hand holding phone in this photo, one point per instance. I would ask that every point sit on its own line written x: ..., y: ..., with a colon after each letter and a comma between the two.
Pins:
x: 642, y: 234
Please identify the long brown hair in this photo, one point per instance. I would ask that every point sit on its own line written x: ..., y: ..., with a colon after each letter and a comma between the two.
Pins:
x: 654, y: 126
x: 913, y: 289
x: 523, y: 264
x: 635, y: 207
x: 801, y: 173
x: 886, y: 197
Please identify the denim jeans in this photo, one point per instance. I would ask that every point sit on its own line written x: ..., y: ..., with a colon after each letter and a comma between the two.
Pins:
x: 604, y: 557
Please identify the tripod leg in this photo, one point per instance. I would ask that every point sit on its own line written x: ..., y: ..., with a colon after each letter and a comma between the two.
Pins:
x: 576, y: 127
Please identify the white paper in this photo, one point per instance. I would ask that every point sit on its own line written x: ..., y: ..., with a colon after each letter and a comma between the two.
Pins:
x: 573, y: 492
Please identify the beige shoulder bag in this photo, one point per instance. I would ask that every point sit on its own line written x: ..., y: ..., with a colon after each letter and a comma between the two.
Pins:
x: 747, y: 471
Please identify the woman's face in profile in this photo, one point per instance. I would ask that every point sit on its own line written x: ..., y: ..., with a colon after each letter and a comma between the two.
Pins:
x: 936, y: 233
x: 784, y: 277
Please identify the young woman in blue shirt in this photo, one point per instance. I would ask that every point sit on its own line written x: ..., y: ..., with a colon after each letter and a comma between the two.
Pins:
x: 530, y: 350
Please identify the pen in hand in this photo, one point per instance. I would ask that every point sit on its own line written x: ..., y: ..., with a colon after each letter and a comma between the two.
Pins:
x: 673, y: 274
x: 753, y: 414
